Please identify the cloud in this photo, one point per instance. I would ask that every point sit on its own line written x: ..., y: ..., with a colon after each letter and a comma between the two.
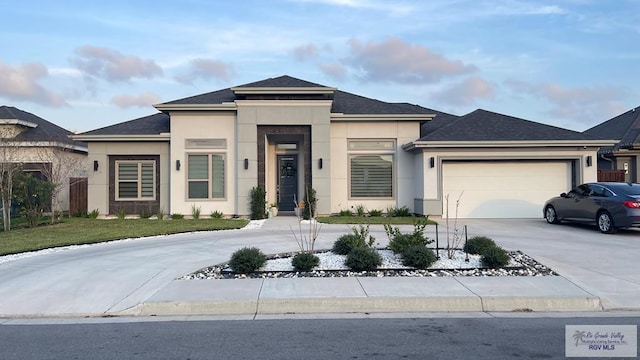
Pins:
x: 21, y: 83
x: 582, y: 104
x: 392, y: 7
x: 335, y: 71
x: 466, y: 92
x: 142, y: 100
x: 113, y: 66
x: 305, y: 52
x: 395, y: 60
x: 206, y: 69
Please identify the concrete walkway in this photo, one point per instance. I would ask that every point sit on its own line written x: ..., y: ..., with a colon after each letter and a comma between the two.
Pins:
x: 138, y: 277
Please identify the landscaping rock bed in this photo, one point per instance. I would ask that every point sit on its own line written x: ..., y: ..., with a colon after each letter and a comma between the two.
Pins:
x: 521, y: 265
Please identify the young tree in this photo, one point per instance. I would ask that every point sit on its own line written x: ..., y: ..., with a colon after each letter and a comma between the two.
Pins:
x: 62, y: 164
x: 9, y: 167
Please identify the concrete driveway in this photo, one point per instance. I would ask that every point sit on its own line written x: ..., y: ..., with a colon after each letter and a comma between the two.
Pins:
x: 605, y: 265
x: 112, y: 277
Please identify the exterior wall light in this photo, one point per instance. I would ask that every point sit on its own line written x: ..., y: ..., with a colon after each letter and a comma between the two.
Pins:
x: 95, y: 165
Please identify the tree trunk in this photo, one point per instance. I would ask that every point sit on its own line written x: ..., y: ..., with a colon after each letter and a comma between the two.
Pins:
x: 6, y: 213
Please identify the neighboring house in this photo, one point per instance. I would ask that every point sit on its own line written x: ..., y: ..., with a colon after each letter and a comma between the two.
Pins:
x: 287, y: 134
x: 625, y: 154
x: 41, y: 148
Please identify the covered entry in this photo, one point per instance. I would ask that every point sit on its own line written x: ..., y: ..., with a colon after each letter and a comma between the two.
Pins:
x: 503, y: 189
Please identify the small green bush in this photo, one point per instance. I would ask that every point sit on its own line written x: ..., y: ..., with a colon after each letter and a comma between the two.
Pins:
x: 418, y: 256
x: 495, y: 257
x: 399, y: 212
x: 177, y: 216
x: 144, y: 214
x: 310, y: 204
x: 360, y: 210
x: 258, y: 203
x: 402, y: 242
x: 217, y: 214
x: 195, y: 211
x: 247, y: 260
x: 122, y: 213
x: 305, y: 261
x: 363, y: 259
x: 160, y: 214
x: 345, y: 244
x: 346, y: 212
x: 375, y: 213
x: 478, y: 245
x: 94, y: 214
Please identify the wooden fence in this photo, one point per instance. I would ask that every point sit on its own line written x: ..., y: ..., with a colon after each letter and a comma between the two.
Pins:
x: 611, y: 175
x: 78, y: 190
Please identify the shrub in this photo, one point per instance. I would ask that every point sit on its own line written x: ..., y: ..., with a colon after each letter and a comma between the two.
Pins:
x: 217, y: 214
x: 94, y: 214
x: 402, y: 242
x: 310, y: 202
x: 195, y: 211
x: 160, y: 214
x: 345, y: 244
x: 346, y: 212
x: 418, y: 256
x: 375, y: 213
x: 177, y: 216
x: 305, y: 261
x: 495, y: 257
x: 363, y: 259
x: 399, y: 212
x: 122, y: 213
x: 478, y: 245
x: 258, y: 203
x: 247, y: 260
x: 144, y: 214
x: 360, y: 210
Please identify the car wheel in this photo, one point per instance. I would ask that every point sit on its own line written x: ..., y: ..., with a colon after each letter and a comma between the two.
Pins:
x: 605, y: 223
x: 550, y: 215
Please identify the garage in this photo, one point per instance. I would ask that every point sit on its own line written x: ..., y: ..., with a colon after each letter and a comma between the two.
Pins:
x: 502, y: 189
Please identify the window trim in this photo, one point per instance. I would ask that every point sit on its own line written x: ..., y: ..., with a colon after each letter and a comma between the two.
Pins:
x: 209, y: 179
x: 138, y: 181
x: 382, y: 151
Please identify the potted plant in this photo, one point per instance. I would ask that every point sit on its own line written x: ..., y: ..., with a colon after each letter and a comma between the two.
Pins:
x: 273, y: 209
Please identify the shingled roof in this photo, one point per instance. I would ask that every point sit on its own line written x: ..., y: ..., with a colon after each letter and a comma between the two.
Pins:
x: 155, y: 124
x: 44, y: 130
x: 624, y: 127
x: 483, y: 125
x: 343, y: 102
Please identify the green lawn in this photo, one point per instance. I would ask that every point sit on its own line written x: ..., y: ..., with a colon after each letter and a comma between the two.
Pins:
x: 76, y: 231
x: 400, y: 220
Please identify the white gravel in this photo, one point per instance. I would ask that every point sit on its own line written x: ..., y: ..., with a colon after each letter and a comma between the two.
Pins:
x: 331, y: 261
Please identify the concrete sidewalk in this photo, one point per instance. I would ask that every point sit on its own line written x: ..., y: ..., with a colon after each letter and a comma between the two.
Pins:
x: 367, y: 295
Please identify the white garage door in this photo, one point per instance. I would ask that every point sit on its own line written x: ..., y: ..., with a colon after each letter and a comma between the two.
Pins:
x: 497, y: 189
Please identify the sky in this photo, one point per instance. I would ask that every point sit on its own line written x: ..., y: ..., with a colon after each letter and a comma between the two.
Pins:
x: 84, y: 64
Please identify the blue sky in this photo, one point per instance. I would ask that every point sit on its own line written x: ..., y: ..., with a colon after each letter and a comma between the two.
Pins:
x: 84, y: 65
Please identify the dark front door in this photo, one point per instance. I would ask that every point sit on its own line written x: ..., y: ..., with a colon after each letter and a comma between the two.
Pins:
x: 287, y: 181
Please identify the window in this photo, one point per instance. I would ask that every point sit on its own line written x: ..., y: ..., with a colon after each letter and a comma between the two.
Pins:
x: 206, y: 176
x: 371, y: 168
x: 135, y: 180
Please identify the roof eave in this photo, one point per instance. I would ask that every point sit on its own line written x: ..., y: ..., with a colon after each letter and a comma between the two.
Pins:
x: 18, y: 122
x: 226, y: 106
x: 122, y: 138
x: 381, y: 117
x: 505, y: 144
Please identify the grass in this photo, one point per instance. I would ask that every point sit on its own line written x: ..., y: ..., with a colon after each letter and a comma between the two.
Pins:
x: 374, y: 220
x: 76, y: 231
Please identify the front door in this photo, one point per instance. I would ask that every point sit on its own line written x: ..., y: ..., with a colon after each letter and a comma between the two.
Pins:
x: 287, y: 182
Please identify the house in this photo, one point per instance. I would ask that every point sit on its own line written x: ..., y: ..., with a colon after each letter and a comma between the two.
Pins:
x: 43, y: 149
x: 286, y: 135
x: 625, y: 154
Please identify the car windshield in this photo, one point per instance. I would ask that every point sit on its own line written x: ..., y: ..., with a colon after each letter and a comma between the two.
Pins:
x: 629, y: 189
